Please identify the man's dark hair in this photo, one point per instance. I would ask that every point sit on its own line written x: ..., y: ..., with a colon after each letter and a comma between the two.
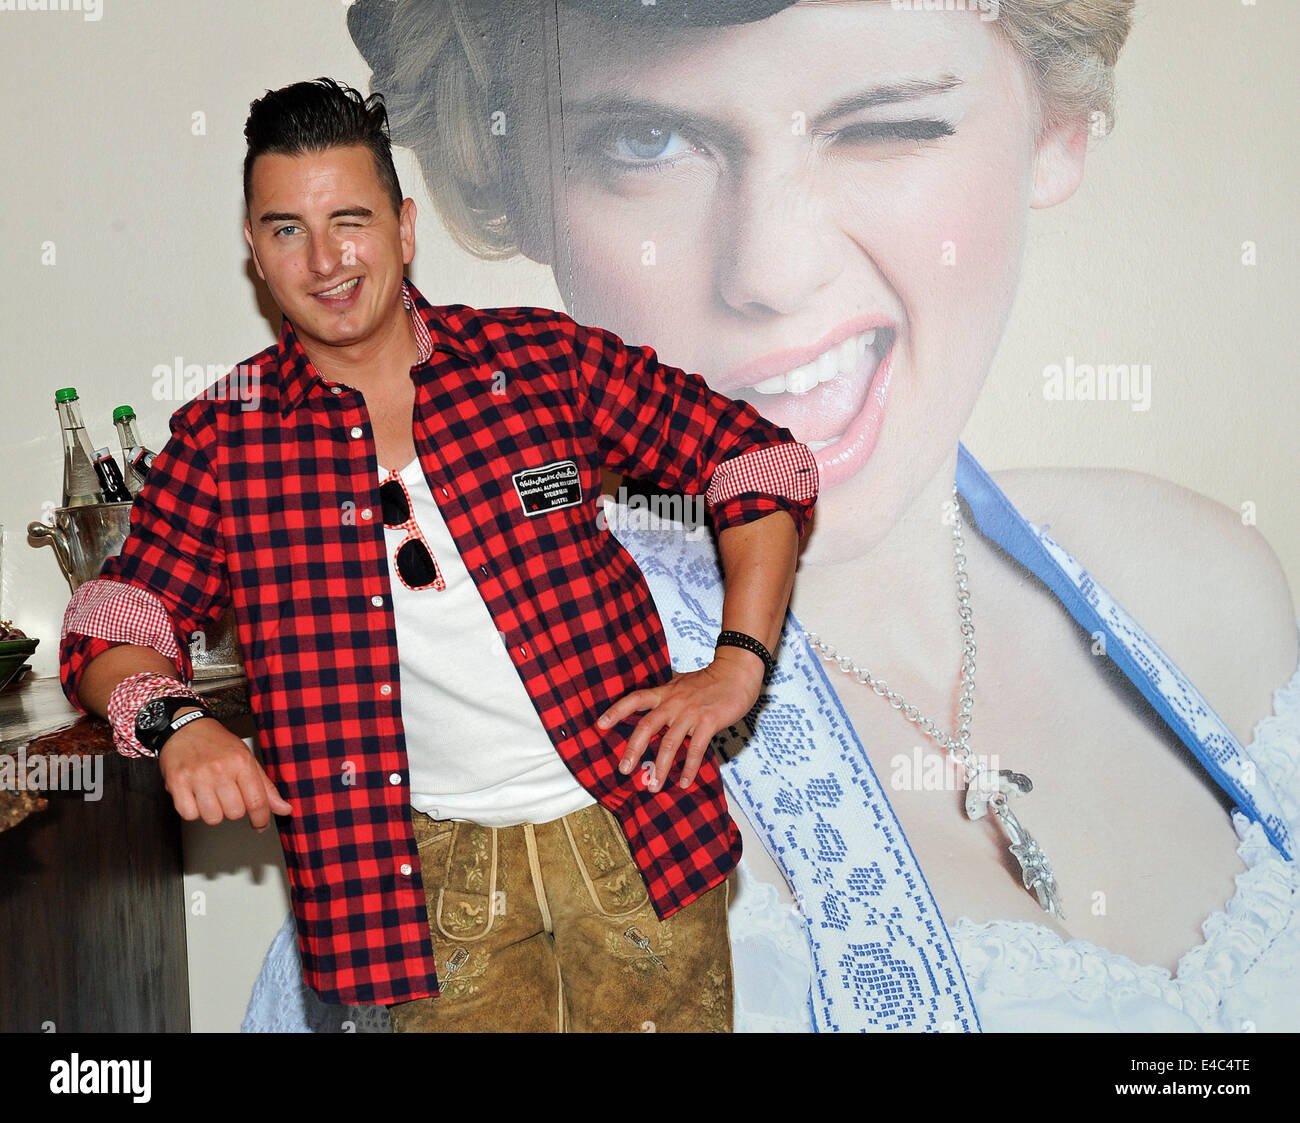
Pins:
x: 314, y: 116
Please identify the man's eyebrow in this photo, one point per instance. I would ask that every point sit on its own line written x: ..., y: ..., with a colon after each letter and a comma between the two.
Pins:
x: 342, y: 212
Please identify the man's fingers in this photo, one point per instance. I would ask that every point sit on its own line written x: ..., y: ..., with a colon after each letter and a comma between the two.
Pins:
x: 231, y: 798
x: 628, y: 704
x: 695, y: 745
x: 262, y: 799
x: 279, y: 804
x: 677, y: 733
x: 187, y: 806
x: 209, y: 805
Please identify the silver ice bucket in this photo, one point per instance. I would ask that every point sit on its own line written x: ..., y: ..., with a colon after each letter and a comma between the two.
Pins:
x: 84, y: 537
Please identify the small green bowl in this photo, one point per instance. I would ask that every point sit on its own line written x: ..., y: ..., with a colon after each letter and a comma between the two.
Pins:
x: 13, y: 654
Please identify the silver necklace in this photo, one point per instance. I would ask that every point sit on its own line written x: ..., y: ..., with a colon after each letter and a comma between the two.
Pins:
x: 987, y: 791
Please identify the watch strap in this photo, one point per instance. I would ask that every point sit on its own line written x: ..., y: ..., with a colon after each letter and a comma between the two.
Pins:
x: 127, y: 699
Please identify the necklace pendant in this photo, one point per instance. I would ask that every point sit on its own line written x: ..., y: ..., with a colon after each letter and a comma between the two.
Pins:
x: 988, y: 791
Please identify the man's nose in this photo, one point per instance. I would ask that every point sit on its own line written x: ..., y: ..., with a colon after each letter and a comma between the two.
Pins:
x: 778, y: 248
x: 323, y: 256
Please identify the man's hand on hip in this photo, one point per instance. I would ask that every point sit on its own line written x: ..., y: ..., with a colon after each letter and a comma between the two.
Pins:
x: 211, y: 774
x: 690, y: 708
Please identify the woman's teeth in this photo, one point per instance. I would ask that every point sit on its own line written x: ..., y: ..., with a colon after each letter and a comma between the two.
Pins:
x: 340, y: 289
x: 840, y: 359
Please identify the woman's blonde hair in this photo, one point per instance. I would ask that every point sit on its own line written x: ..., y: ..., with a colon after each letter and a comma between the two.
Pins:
x: 445, y: 67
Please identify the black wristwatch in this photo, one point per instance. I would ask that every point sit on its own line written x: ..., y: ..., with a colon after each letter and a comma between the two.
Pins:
x: 154, y: 722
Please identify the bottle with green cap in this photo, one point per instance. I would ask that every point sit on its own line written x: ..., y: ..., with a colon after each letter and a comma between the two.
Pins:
x: 136, y: 459
x: 80, y: 481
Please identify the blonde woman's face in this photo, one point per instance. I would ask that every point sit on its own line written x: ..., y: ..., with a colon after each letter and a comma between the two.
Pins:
x: 822, y: 213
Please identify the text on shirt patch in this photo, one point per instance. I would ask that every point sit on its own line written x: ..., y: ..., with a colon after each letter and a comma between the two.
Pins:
x: 549, y: 487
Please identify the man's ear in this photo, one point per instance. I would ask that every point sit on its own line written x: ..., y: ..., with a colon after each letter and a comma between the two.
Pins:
x: 406, y: 227
x: 1058, y: 163
x: 248, y: 237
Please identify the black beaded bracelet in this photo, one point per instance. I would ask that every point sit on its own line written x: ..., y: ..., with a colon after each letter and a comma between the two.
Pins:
x: 749, y: 643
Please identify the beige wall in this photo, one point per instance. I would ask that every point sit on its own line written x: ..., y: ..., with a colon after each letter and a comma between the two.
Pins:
x: 104, y: 160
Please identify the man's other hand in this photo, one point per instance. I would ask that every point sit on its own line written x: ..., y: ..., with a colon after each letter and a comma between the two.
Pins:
x: 690, y: 709
x: 211, y: 774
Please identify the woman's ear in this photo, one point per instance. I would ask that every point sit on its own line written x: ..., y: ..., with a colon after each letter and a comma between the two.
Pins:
x: 1058, y: 163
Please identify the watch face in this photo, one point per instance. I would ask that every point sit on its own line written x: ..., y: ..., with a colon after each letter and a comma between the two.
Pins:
x: 152, y: 716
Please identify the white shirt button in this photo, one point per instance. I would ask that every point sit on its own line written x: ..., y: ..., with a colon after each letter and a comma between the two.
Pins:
x: 406, y: 869
x: 378, y: 602
x: 367, y: 513
x: 386, y: 689
x: 445, y: 491
x: 336, y: 389
x: 394, y: 778
x: 355, y: 431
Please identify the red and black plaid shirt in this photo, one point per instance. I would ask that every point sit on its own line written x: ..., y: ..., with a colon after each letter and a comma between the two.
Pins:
x: 277, y: 508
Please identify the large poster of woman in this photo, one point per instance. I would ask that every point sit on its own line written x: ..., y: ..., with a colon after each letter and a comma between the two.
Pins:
x: 1031, y: 760
x: 822, y: 208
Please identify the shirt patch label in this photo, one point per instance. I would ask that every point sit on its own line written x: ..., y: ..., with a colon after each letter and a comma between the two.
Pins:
x: 549, y: 487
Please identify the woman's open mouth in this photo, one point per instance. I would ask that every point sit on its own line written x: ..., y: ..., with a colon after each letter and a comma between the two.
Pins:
x: 834, y: 403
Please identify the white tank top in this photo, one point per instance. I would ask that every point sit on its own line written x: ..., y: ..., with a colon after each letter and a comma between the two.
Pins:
x: 476, y: 747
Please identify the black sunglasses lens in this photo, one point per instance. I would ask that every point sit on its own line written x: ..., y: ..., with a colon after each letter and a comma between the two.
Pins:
x: 396, y: 509
x: 415, y: 564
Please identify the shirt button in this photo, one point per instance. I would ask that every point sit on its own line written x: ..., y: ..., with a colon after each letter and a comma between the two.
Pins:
x: 336, y: 389
x: 386, y: 689
x: 483, y: 570
x: 405, y: 867
x: 355, y: 431
x: 523, y: 650
x: 446, y: 492
x: 378, y: 602
x: 367, y: 513
x: 394, y: 778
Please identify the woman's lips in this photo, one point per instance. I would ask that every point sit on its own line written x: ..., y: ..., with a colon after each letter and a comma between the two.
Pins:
x: 841, y: 416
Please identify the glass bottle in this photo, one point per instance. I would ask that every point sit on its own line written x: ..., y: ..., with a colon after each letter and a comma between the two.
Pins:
x: 136, y: 459
x: 80, y: 481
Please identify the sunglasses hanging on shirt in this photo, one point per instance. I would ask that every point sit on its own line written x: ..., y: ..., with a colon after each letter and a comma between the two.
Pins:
x: 414, y: 560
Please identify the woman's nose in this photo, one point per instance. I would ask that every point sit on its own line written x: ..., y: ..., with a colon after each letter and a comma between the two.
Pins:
x: 777, y: 246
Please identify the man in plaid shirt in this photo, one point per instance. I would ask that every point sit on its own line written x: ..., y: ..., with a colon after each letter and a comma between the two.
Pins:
x: 414, y: 496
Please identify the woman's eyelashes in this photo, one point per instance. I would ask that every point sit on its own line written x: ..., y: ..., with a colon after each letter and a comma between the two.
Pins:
x: 893, y: 132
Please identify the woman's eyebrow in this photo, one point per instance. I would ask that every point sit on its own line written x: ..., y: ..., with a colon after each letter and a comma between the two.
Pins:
x: 626, y: 105
x: 889, y: 94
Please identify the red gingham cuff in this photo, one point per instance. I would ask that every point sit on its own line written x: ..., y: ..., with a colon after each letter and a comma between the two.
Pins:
x: 127, y: 698
x: 784, y: 471
x: 122, y: 613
